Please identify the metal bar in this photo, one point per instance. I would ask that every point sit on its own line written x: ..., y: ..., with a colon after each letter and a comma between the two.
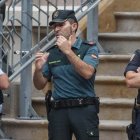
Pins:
x: 26, y: 81
x: 48, y: 9
x: 92, y: 25
x: 13, y: 30
x: 65, y: 2
x: 16, y: 2
x: 9, y: 9
x: 45, y: 48
x: 39, y: 20
x: 83, y: 4
x: 72, y: 4
x: 36, y: 47
x: 3, y: 37
x: 88, y: 10
x: 41, y: 10
x: 55, y: 6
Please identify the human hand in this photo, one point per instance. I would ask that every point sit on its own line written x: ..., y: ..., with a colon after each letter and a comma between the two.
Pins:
x: 41, y: 59
x: 64, y: 44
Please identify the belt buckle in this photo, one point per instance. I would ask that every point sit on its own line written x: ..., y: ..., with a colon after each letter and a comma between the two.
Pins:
x: 56, y: 104
x: 80, y: 101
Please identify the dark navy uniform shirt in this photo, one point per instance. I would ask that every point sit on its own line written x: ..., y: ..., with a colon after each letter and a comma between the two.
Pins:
x: 134, y: 62
x: 67, y: 83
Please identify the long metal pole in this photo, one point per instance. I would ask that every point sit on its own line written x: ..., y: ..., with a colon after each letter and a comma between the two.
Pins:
x: 26, y: 74
x: 92, y: 25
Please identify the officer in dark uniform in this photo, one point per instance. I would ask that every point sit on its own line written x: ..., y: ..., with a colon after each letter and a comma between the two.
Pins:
x: 4, y: 59
x: 71, y: 65
x: 4, y: 84
x: 4, y: 80
x: 132, y: 74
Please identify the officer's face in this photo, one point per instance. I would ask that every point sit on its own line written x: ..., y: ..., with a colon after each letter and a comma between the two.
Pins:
x: 64, y: 29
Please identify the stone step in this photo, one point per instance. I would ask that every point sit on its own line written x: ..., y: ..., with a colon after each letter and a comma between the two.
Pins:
x: 127, y: 21
x: 110, y: 109
x: 116, y: 109
x: 37, y: 129
x: 39, y: 106
x: 113, y: 130
x: 25, y: 129
x: 113, y: 87
x: 112, y: 65
x: 119, y: 43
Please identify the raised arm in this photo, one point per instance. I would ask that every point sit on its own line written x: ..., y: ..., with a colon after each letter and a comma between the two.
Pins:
x: 38, y: 79
x: 132, y: 71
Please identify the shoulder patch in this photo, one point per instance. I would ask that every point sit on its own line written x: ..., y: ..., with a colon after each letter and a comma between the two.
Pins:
x: 132, y: 57
x: 138, y: 51
x: 94, y: 56
x: 91, y: 43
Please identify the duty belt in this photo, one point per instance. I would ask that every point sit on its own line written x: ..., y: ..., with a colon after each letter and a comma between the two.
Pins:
x: 74, y: 102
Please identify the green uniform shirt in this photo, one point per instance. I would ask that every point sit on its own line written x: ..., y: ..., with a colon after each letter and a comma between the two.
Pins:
x: 67, y: 83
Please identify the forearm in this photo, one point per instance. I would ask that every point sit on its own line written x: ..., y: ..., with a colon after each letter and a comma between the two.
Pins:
x: 38, y: 80
x: 84, y: 69
x: 4, y: 81
x: 133, y: 79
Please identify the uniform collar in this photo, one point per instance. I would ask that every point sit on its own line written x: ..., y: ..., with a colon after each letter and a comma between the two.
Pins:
x: 77, y: 43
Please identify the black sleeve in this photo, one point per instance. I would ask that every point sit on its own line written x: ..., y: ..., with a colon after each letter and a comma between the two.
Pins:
x: 134, y: 63
x: 1, y: 97
x: 2, y: 11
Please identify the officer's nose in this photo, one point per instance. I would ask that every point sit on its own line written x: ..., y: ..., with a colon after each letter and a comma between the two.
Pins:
x: 57, y: 28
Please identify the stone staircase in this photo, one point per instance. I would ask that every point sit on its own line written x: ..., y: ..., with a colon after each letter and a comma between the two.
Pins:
x: 116, y: 99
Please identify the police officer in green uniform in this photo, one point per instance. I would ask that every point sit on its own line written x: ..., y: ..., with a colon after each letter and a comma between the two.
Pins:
x: 71, y: 66
x: 132, y: 75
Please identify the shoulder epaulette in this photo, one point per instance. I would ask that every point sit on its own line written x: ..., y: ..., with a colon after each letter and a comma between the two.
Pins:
x: 137, y: 51
x: 51, y: 48
x: 91, y: 43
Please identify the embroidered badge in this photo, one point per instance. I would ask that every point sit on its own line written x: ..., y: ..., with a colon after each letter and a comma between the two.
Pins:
x: 53, y: 62
x: 55, y: 14
x: 91, y: 42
